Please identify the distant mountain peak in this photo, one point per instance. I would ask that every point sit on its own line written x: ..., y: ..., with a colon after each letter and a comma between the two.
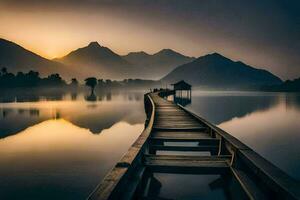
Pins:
x: 143, y: 53
x: 216, y: 55
x: 94, y: 44
x: 167, y: 51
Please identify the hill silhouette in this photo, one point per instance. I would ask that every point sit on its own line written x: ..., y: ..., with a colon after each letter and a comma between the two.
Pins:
x: 157, y: 65
x: 17, y: 58
x: 215, y: 70
x: 286, y: 86
x: 98, y: 60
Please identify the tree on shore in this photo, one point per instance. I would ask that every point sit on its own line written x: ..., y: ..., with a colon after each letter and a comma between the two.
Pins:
x: 30, y: 79
x: 91, y: 82
x: 4, y: 70
x: 74, y: 82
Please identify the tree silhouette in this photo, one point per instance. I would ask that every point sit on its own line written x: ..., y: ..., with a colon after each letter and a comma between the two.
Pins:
x: 4, y: 70
x: 91, y: 82
x: 74, y: 82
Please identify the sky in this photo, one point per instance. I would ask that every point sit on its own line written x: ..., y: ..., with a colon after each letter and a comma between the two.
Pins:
x: 261, y: 33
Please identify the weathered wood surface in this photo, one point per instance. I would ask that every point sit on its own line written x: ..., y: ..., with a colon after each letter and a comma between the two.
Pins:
x: 172, y: 128
x: 187, y: 164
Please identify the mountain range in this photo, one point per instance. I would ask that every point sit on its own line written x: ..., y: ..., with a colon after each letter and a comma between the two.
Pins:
x: 97, y: 59
x: 212, y: 70
x: 158, y: 64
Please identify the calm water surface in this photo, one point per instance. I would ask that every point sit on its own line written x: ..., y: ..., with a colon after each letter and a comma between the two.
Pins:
x: 61, y: 147
x: 267, y: 122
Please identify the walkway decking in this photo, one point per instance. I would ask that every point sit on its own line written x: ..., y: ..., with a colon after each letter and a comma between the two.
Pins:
x: 171, y: 128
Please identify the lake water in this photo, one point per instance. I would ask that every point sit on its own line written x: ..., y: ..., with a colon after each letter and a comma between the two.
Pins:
x: 61, y: 147
x: 267, y: 122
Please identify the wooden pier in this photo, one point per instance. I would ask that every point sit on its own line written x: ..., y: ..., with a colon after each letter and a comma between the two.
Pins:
x: 222, y: 154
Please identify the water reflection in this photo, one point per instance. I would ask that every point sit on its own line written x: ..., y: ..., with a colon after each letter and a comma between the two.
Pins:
x: 292, y: 101
x: 273, y: 133
x: 218, y: 107
x: 91, y: 97
x: 182, y: 101
x: 267, y: 122
x: 60, y: 149
x: 170, y: 186
x: 31, y: 96
x: 56, y: 159
x: 73, y: 96
x: 61, y: 146
x: 85, y: 112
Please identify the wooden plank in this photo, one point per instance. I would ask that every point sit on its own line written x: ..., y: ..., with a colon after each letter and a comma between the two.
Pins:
x: 176, y: 121
x: 178, y: 114
x: 173, y: 117
x: 248, y: 185
x: 185, y: 148
x: 195, y: 165
x: 177, y: 125
x: 202, y: 138
x: 188, y: 157
x: 175, y: 134
x: 157, y: 128
x: 132, y: 184
x: 233, y: 142
x: 108, y: 185
x: 166, y: 114
x: 273, y: 177
x: 201, y: 141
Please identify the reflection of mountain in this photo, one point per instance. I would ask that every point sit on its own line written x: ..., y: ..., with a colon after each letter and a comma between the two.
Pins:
x: 56, y: 153
x: 97, y: 121
x: 292, y: 101
x: 218, y: 109
x: 128, y: 107
x: 13, y: 120
x: 95, y: 116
